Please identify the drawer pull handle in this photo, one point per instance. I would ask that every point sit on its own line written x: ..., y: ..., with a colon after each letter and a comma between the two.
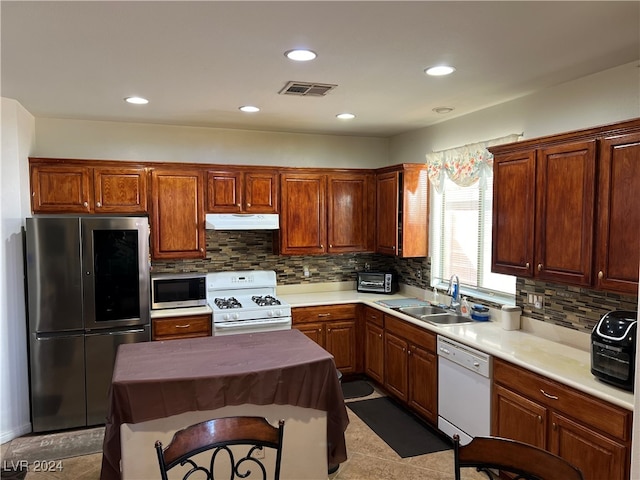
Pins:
x: 183, y: 326
x: 324, y: 314
x: 548, y: 395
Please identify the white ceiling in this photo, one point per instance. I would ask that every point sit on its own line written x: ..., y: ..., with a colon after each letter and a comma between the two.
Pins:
x: 197, y: 62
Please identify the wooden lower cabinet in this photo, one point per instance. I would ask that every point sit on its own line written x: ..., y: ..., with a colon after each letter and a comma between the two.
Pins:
x: 374, y: 344
x: 333, y: 327
x: 411, y: 366
x: 592, y: 434
x: 190, y: 326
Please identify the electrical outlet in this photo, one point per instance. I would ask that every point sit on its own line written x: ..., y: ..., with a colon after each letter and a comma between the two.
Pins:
x: 305, y: 271
x: 419, y: 273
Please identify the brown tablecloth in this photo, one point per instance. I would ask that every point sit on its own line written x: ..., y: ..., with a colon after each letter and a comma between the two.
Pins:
x: 160, y: 379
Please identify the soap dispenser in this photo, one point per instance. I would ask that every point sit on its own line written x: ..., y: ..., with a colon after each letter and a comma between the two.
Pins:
x: 464, y: 307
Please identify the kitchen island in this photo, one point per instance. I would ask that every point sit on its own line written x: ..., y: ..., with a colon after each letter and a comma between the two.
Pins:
x: 163, y: 380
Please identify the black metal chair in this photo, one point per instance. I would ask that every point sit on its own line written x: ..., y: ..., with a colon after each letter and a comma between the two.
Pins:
x: 255, y: 433
x: 525, y: 461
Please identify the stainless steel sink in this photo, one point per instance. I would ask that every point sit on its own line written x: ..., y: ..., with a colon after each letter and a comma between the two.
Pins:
x: 422, y: 310
x: 435, y: 315
x: 446, y: 319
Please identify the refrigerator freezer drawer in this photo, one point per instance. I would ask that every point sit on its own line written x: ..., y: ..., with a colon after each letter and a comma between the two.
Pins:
x: 101, y: 352
x: 57, y: 382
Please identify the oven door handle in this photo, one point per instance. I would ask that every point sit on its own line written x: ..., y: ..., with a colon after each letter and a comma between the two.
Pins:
x: 223, y: 325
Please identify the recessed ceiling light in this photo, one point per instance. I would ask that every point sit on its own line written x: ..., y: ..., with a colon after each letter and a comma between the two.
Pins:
x: 439, y: 70
x: 300, y: 55
x: 443, y: 109
x: 136, y: 100
x: 249, y: 109
x: 346, y: 116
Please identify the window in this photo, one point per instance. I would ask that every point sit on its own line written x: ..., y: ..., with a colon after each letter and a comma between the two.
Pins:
x: 460, y: 240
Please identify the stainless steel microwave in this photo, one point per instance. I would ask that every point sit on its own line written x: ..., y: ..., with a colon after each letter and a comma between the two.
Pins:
x: 178, y: 290
x: 377, y: 282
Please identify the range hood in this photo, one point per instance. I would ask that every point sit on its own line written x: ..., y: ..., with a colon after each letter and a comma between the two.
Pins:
x: 242, y: 221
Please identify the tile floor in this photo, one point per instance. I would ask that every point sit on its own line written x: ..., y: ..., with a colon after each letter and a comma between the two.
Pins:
x: 369, y: 459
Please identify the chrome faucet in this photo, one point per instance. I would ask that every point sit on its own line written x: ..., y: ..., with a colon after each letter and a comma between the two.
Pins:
x: 454, y: 291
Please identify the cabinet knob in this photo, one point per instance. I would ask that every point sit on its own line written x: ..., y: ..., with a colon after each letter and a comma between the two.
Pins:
x: 238, y: 205
x: 98, y: 204
x: 379, y: 335
x: 393, y: 248
x: 86, y: 204
x: 248, y: 204
x: 539, y: 267
x: 328, y: 329
x: 600, y: 274
x: 321, y: 245
x: 539, y: 418
x: 555, y: 426
x: 201, y: 249
x: 330, y: 245
x: 319, y: 330
x: 526, y: 265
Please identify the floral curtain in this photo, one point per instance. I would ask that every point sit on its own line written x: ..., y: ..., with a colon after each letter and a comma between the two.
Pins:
x: 463, y: 165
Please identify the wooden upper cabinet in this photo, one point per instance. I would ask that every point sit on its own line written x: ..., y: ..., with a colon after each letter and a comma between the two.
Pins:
x: 326, y: 213
x: 58, y: 188
x: 237, y: 191
x: 350, y: 213
x: 177, y: 213
x: 303, y: 219
x: 513, y: 213
x: 120, y: 190
x: 66, y: 186
x: 402, y: 211
x: 387, y: 213
x: 618, y: 214
x: 565, y: 205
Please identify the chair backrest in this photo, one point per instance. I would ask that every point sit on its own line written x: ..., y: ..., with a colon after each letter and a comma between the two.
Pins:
x: 524, y: 460
x: 218, y: 435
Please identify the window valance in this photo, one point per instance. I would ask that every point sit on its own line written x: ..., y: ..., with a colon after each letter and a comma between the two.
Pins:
x: 463, y: 165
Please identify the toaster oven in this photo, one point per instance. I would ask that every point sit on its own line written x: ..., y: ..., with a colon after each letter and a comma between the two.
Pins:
x: 613, y: 348
x: 377, y: 282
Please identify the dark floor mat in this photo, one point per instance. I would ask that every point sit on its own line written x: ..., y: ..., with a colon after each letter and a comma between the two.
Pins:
x: 400, y: 429
x: 356, y: 389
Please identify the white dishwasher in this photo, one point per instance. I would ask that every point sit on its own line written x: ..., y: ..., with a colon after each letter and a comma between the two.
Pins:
x: 464, y: 390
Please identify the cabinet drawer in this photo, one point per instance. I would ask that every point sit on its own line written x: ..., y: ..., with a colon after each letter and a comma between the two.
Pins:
x: 327, y: 312
x: 413, y: 334
x: 374, y: 316
x: 599, y: 414
x: 181, y: 327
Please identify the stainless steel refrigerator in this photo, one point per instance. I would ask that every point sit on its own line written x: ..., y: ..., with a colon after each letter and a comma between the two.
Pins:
x: 88, y: 293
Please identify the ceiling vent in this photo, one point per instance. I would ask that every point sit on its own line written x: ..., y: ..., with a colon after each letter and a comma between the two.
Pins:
x: 307, y: 89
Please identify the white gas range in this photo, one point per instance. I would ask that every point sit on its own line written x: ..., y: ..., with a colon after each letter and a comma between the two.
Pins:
x: 246, y: 302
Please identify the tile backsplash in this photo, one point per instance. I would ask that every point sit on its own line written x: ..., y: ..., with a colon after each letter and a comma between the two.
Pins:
x: 572, y: 307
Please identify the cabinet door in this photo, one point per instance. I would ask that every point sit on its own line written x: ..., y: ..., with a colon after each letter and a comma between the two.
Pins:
x: 413, y: 232
x: 565, y: 187
x: 387, y: 213
x: 340, y: 341
x: 315, y: 331
x: 423, y: 382
x: 618, y: 242
x: 261, y: 192
x: 303, y: 222
x: 518, y: 418
x: 596, y: 455
x: 177, y: 219
x: 347, y: 213
x: 61, y: 189
x: 374, y: 352
x: 513, y: 214
x: 224, y: 191
x: 120, y: 190
x: 396, y: 371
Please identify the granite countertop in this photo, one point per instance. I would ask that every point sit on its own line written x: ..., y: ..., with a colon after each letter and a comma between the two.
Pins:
x: 567, y: 362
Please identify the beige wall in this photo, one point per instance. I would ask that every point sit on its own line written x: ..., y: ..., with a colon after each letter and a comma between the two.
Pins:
x: 599, y: 99
x: 134, y: 141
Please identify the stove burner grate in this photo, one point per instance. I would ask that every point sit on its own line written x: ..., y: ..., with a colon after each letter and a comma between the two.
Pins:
x: 230, y: 302
x: 265, y: 300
